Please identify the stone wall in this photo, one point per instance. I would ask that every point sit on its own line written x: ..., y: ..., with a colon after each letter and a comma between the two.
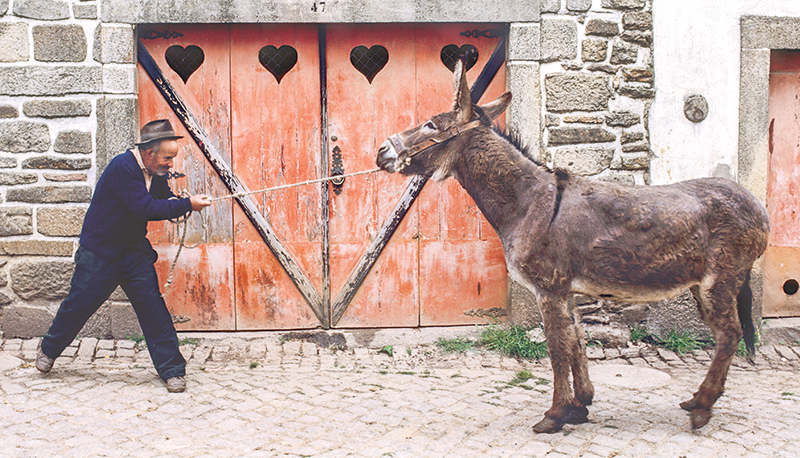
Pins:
x: 597, y: 71
x: 65, y: 80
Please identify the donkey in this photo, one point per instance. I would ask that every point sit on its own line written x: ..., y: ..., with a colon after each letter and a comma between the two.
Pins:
x: 564, y: 234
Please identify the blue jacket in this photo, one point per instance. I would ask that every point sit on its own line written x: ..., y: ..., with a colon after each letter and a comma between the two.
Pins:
x: 121, y: 207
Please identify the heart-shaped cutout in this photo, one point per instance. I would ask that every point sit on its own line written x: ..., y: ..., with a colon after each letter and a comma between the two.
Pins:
x: 451, y: 53
x: 278, y: 61
x: 184, y: 61
x: 369, y: 61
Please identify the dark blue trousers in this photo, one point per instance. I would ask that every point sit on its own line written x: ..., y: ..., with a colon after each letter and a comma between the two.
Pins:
x: 94, y: 280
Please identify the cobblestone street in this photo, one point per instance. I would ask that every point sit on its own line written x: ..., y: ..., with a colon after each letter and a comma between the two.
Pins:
x: 266, y: 397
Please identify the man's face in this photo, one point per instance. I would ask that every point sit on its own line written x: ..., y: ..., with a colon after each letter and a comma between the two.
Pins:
x: 160, y: 163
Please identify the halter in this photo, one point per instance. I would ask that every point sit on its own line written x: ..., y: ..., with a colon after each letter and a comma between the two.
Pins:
x: 406, y: 154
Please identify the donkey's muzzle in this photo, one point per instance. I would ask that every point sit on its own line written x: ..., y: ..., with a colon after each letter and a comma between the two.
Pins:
x: 387, y: 156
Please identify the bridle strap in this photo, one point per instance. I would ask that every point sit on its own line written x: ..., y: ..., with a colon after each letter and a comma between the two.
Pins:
x: 450, y: 133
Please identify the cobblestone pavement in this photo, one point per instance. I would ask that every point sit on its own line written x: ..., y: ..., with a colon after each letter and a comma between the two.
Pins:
x: 265, y: 398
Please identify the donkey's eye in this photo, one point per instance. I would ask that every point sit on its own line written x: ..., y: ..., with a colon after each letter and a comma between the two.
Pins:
x: 429, y: 126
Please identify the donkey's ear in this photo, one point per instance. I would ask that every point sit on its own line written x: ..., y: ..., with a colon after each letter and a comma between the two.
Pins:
x: 463, y: 103
x: 496, y: 108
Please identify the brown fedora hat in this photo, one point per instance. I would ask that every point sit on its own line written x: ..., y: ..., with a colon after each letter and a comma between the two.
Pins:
x: 160, y: 129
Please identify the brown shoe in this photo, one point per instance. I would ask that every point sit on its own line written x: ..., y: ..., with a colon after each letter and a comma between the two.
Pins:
x: 43, y: 362
x: 176, y: 385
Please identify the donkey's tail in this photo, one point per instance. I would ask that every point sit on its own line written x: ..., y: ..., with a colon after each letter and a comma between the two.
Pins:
x: 744, y: 301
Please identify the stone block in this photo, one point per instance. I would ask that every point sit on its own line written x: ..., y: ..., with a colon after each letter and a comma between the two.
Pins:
x: 579, y: 5
x: 56, y: 163
x: 635, y: 161
x: 8, y: 111
x: 16, y: 221
x: 46, y: 280
x: 7, y: 162
x: 124, y: 324
x: 525, y: 109
x: 3, y: 7
x: 73, y: 141
x: 119, y: 79
x: 14, y: 43
x: 524, y: 42
x: 602, y: 27
x: 35, y: 248
x: 637, y: 20
x: 559, y: 40
x: 57, y: 108
x: 59, y: 43
x: 551, y: 6
x: 678, y: 313
x: 594, y: 50
x: 624, y: 4
x: 624, y: 53
x: 85, y: 11
x: 635, y: 147
x: 50, y: 80
x: 60, y: 222
x: 641, y: 38
x: 583, y: 161
x: 17, y: 178
x: 98, y: 325
x: 765, y: 32
x: 117, y: 128
x: 576, y: 135
x: 24, y: 322
x: 24, y: 137
x: 65, y: 177
x: 576, y: 92
x: 114, y: 44
x: 50, y: 194
x: 622, y: 119
x: 47, y: 10
x: 5, y: 299
x: 381, y: 11
x: 631, y: 137
x: 638, y: 75
x: 637, y: 91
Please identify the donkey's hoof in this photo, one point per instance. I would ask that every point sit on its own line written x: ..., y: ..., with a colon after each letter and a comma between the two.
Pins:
x: 688, y: 405
x: 700, y: 417
x: 548, y: 425
x: 577, y: 415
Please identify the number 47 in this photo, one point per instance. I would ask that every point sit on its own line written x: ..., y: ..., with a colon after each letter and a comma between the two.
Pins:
x: 318, y: 6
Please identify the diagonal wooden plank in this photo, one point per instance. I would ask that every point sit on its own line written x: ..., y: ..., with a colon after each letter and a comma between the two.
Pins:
x: 414, y: 187
x: 248, y: 205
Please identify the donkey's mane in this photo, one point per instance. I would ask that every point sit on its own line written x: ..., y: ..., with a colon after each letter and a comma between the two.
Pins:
x: 515, y: 138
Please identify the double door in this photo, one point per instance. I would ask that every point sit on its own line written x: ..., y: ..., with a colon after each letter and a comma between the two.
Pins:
x: 285, y: 104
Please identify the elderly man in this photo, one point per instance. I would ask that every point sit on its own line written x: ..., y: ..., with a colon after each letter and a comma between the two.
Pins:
x: 114, y: 251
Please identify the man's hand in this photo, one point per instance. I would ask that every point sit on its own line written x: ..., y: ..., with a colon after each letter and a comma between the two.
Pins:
x: 200, y: 201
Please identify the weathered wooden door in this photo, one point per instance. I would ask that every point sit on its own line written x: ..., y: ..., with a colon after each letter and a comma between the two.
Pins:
x: 290, y: 103
x: 782, y: 259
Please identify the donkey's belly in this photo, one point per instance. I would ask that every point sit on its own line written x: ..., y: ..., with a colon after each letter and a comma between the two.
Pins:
x: 627, y: 293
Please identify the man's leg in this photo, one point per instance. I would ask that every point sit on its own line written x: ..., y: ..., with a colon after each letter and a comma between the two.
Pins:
x: 93, y: 281
x: 140, y: 283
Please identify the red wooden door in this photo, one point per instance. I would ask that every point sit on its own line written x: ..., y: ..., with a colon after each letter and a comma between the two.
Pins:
x: 782, y: 259
x: 203, y: 282
x: 443, y: 259
x: 261, y: 94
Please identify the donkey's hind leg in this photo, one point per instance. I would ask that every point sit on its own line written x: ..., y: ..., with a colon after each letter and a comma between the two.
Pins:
x: 717, y: 302
x: 562, y: 347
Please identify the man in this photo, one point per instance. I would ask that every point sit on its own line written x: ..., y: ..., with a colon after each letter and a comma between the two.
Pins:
x: 114, y: 252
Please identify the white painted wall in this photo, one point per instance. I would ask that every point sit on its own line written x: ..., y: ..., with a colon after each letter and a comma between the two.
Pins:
x: 696, y: 51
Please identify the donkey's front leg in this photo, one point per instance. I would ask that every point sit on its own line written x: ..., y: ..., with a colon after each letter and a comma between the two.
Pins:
x: 562, y: 347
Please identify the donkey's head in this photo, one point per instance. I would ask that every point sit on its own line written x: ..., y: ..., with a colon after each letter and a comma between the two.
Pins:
x: 431, y: 148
